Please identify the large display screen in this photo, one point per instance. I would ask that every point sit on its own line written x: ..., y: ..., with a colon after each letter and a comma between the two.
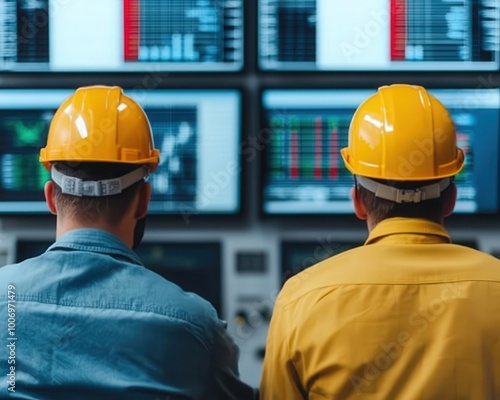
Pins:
x: 379, y: 35
x: 303, y: 172
x: 195, y: 267
x: 121, y: 35
x: 198, y: 134
x: 298, y: 255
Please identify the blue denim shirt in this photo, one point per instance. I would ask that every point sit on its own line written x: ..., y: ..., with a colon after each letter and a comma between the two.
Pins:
x: 91, y: 322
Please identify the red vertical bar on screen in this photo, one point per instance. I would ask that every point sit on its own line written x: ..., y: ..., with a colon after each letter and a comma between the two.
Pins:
x: 131, y: 29
x: 294, y: 153
x: 398, y: 30
x: 334, y: 149
x: 318, y: 147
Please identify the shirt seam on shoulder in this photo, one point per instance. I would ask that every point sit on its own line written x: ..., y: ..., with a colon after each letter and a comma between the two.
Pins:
x: 116, y: 306
x: 109, y: 251
x: 338, y: 285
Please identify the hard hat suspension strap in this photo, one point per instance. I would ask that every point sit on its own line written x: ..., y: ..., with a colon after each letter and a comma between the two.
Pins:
x: 391, y: 193
x: 107, y: 187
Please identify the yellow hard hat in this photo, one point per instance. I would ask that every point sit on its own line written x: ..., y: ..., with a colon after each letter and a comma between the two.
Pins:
x: 402, y: 133
x: 100, y: 124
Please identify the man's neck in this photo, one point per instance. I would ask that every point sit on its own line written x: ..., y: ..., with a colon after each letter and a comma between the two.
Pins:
x: 65, y: 225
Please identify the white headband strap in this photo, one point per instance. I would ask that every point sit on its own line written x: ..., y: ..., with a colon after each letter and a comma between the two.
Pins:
x: 417, y: 195
x: 108, y: 187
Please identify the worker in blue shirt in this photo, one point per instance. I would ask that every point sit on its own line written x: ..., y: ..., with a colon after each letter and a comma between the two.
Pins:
x: 86, y: 320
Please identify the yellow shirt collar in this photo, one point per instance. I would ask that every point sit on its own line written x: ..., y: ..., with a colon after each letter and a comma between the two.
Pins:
x: 408, y: 230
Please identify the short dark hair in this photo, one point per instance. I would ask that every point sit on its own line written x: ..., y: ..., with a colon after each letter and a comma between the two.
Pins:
x: 91, y: 209
x: 380, y: 209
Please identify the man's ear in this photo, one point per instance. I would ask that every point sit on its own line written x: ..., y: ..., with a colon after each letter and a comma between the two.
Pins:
x: 359, y: 206
x: 143, y: 203
x: 48, y: 190
x: 450, y: 200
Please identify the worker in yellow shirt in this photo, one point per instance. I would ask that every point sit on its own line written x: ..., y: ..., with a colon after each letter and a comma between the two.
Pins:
x: 409, y: 315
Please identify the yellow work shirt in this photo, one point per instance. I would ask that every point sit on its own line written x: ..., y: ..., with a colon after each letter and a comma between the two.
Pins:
x: 407, y: 316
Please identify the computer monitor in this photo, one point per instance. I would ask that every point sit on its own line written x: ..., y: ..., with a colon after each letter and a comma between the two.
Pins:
x: 303, y: 172
x: 466, y: 242
x: 298, y: 255
x: 194, y: 266
x: 29, y: 248
x: 121, y: 35
x: 384, y: 35
x: 198, y: 133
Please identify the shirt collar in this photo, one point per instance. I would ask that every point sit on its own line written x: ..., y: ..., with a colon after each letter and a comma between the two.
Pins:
x: 97, y: 241
x: 408, y: 230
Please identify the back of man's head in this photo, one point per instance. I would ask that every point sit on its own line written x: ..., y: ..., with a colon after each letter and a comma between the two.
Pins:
x: 90, y: 209
x: 402, y: 151
x: 99, y: 151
